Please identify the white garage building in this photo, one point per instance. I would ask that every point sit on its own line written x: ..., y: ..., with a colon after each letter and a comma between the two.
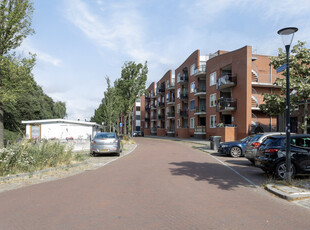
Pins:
x: 61, y: 129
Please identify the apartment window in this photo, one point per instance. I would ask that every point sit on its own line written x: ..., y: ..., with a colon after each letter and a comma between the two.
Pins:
x: 167, y: 84
x: 213, y: 78
x: 179, y: 93
x: 193, y: 87
x: 151, y: 113
x: 167, y: 96
x: 146, y: 125
x: 178, y: 123
x: 167, y: 125
x: 158, y: 124
x: 138, y: 117
x: 155, y: 102
x: 163, y: 99
x: 138, y: 108
x: 178, y: 77
x: 151, y: 92
x: 138, y: 99
x: 213, y: 121
x: 192, y: 105
x: 158, y: 112
x: 167, y: 110
x: 213, y: 100
x: 192, y: 123
x: 158, y: 99
x: 178, y: 108
x: 192, y: 69
x: 152, y: 125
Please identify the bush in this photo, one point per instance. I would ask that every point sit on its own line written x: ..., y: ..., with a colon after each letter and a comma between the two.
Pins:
x: 11, y: 137
x: 28, y: 157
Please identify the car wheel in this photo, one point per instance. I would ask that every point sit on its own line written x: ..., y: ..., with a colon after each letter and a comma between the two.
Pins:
x: 235, y: 152
x: 93, y: 154
x: 280, y: 170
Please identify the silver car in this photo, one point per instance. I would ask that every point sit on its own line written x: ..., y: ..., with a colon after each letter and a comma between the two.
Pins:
x: 104, y: 143
x: 255, y: 142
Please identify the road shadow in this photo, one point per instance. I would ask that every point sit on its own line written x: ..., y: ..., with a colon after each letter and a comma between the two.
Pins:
x: 213, y: 173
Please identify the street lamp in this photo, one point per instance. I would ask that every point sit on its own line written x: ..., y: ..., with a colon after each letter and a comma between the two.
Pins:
x: 287, y: 35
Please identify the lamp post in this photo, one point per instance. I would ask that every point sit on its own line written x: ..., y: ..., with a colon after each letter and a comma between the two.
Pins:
x: 287, y: 35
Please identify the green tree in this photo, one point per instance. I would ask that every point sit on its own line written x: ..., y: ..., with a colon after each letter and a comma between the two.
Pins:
x: 59, y: 110
x: 15, y: 25
x: 131, y: 85
x: 299, y: 82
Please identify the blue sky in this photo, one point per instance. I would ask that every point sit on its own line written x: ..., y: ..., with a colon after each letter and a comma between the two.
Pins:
x: 80, y: 42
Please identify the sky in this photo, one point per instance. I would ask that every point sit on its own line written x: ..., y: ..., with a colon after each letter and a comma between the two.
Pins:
x: 78, y: 43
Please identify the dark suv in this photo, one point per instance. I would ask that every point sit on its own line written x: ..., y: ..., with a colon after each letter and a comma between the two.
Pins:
x: 271, y: 155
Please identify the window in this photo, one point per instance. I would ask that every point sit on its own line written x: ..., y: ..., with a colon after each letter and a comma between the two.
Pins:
x: 213, y: 78
x: 178, y: 93
x: 213, y: 121
x: 167, y: 84
x: 158, y: 112
x: 192, y: 123
x: 213, y: 100
x: 167, y: 110
x: 155, y: 102
x: 138, y: 108
x: 146, y: 125
x: 167, y: 96
x: 178, y: 123
x: 178, y: 108
x: 192, y: 69
x: 163, y: 99
x: 167, y: 125
x: 138, y: 117
x: 193, y: 87
x: 158, y: 124
x: 158, y: 99
x: 138, y: 99
x: 178, y: 77
x: 192, y: 105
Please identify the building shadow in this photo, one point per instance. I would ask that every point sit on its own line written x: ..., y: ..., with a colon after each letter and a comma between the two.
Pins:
x: 213, y: 173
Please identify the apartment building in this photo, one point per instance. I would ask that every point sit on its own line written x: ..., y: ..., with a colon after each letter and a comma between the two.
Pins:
x: 214, y: 95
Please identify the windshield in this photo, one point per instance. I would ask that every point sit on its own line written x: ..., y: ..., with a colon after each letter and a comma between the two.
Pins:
x: 104, y: 135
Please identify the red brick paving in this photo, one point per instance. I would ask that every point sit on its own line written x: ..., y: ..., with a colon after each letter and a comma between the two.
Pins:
x: 161, y: 185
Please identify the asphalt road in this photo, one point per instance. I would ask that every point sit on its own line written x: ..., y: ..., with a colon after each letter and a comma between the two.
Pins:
x: 161, y: 185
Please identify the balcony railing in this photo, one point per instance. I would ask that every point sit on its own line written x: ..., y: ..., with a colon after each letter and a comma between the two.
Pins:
x: 184, y: 113
x: 170, y: 101
x: 153, y: 107
x: 200, y: 109
x: 153, y: 118
x: 226, y: 81
x: 171, y: 115
x: 184, y: 96
x: 171, y: 86
x: 161, y: 117
x: 226, y: 104
x: 161, y: 90
x: 161, y: 104
x: 183, y: 79
x: 201, y: 71
x: 200, y: 129
x: 200, y: 92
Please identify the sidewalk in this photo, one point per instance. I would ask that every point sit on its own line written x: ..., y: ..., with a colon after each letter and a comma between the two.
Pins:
x: 300, y: 191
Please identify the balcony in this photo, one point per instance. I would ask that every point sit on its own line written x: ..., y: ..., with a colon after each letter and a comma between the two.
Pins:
x: 171, y: 115
x: 161, y: 104
x: 184, y: 97
x: 226, y: 105
x: 201, y: 110
x: 200, y: 92
x: 147, y: 119
x: 226, y: 81
x: 170, y: 101
x: 183, y: 79
x: 200, y: 72
x: 161, y: 117
x: 184, y: 113
x: 171, y: 86
x: 200, y: 129
x: 161, y: 90
x: 153, y: 118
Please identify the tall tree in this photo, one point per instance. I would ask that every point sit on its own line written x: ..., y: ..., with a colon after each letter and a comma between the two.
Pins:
x: 131, y: 86
x: 15, y: 25
x: 59, y: 110
x: 299, y: 82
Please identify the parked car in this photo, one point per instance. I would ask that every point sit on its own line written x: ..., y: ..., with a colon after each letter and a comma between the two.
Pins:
x: 234, y: 148
x: 271, y: 155
x: 138, y: 134
x: 104, y: 143
x: 252, y: 146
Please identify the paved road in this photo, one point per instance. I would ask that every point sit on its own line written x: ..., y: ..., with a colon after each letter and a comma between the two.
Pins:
x: 161, y: 185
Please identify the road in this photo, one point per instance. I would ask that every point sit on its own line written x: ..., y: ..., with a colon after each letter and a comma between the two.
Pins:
x: 161, y: 185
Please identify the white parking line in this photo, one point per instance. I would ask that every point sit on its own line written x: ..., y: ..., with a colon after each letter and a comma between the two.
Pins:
x: 223, y: 163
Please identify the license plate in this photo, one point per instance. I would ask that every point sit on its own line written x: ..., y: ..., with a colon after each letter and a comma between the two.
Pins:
x: 104, y: 150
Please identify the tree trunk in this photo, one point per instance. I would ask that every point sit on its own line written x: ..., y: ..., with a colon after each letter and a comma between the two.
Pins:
x: 305, y: 116
x: 1, y: 126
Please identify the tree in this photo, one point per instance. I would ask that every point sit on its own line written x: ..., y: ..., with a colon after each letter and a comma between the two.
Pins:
x: 15, y: 25
x: 131, y: 85
x: 59, y: 110
x: 299, y: 82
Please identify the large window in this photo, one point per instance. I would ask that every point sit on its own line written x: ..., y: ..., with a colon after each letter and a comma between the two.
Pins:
x: 178, y: 123
x: 213, y: 121
x: 192, y: 69
x: 167, y: 110
x: 192, y: 105
x: 178, y: 108
x: 193, y: 87
x: 192, y: 123
x: 213, y: 100
x: 178, y: 93
x: 178, y: 77
x: 138, y: 108
x: 213, y: 78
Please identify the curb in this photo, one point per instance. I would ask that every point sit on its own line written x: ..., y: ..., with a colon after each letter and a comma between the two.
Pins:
x: 288, y: 193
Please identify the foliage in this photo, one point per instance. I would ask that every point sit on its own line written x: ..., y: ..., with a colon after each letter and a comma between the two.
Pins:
x: 15, y: 25
x: 299, y: 82
x: 28, y: 157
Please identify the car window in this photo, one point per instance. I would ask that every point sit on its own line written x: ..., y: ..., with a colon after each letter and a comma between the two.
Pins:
x: 105, y: 135
x: 255, y: 138
x: 273, y: 142
x: 301, y: 142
